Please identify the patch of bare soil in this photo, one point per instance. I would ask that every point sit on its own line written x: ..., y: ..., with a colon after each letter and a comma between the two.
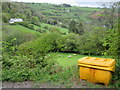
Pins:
x: 26, y: 84
x: 29, y: 84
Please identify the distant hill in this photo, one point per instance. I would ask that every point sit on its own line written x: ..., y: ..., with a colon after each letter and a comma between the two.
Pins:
x: 63, y: 13
x: 34, y: 14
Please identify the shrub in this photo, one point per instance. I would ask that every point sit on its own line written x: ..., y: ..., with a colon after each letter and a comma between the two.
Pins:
x: 9, y: 47
x: 63, y: 26
x: 22, y: 68
x: 41, y: 46
x: 111, y: 42
x: 68, y: 43
x: 40, y: 30
x: 5, y: 17
x: 30, y: 26
x: 54, y: 29
x: 13, y: 38
x: 26, y: 24
x: 35, y: 20
x: 46, y: 27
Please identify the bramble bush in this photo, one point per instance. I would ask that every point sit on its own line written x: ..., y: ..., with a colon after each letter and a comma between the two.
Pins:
x: 112, y: 42
x: 28, y: 62
x: 21, y: 68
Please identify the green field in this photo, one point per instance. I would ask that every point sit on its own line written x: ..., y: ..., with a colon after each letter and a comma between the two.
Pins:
x: 27, y: 30
x: 43, y: 25
x: 62, y: 30
x: 60, y: 12
x: 22, y: 29
x: 65, y: 61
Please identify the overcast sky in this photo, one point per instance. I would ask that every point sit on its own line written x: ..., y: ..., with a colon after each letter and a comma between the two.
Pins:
x: 92, y: 3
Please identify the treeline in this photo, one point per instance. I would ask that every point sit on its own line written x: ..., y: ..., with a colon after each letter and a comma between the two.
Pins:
x: 89, y: 44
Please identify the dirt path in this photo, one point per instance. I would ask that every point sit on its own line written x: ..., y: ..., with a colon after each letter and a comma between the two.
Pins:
x: 29, y: 84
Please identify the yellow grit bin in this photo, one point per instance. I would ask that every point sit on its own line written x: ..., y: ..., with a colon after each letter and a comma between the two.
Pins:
x: 96, y: 70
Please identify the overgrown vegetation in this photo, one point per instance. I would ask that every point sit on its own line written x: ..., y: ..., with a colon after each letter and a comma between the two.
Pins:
x: 112, y: 40
x: 26, y: 46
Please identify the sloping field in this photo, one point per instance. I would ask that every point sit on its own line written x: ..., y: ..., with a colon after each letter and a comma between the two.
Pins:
x: 65, y: 61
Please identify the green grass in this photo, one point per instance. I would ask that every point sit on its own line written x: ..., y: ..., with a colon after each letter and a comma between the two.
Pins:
x: 62, y: 30
x: 22, y: 29
x: 49, y: 10
x: 27, y: 30
x: 65, y: 61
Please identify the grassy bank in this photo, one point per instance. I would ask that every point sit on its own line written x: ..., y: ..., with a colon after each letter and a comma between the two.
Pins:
x: 65, y: 61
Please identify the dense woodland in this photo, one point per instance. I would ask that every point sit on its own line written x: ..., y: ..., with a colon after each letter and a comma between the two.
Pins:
x: 49, y: 28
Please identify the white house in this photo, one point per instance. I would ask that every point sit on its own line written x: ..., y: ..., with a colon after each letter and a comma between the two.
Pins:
x: 13, y: 20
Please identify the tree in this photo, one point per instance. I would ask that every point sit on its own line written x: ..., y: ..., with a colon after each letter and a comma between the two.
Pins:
x: 80, y: 29
x: 5, y: 17
x: 41, y: 46
x: 108, y: 15
x: 112, y: 40
x: 54, y: 29
x: 30, y: 26
x: 72, y: 26
x: 66, y: 5
x: 112, y: 31
x: 91, y: 41
x: 54, y: 22
x: 68, y: 43
x: 35, y: 21
x: 76, y: 28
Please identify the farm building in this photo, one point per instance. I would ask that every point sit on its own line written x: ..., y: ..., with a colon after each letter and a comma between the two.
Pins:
x: 13, y: 20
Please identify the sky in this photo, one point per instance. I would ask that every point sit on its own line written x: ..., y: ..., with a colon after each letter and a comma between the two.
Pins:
x: 89, y: 3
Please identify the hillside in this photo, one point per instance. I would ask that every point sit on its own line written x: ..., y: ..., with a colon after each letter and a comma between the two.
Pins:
x: 56, y: 15
x: 61, y: 12
x: 42, y: 43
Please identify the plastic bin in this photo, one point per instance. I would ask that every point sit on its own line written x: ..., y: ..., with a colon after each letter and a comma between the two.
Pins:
x: 96, y: 70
